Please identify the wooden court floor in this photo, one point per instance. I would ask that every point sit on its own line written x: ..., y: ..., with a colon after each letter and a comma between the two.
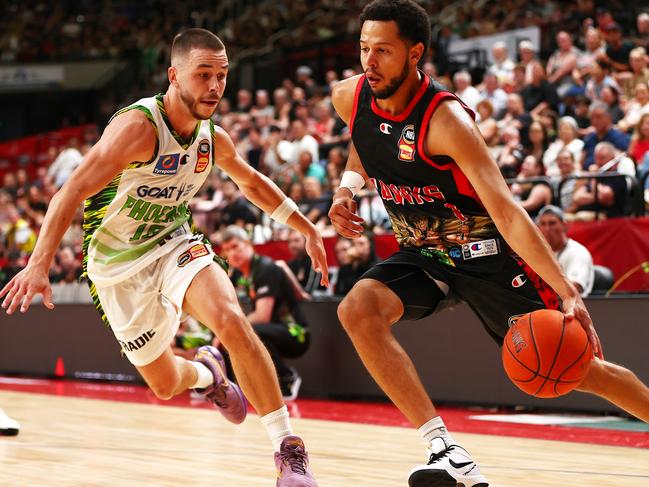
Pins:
x: 68, y: 441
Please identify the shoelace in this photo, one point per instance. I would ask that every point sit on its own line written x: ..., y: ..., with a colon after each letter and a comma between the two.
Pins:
x: 295, y: 458
x: 435, y: 457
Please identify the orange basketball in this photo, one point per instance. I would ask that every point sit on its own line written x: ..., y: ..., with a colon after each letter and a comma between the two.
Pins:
x: 546, y: 355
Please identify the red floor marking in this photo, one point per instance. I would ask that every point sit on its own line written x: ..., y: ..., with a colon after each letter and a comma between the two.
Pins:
x: 456, y: 419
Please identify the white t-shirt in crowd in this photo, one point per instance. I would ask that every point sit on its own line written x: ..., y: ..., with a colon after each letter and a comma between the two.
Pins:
x: 577, y: 264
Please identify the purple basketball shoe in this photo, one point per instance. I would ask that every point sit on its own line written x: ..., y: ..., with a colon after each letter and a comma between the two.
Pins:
x: 224, y: 394
x: 292, y: 462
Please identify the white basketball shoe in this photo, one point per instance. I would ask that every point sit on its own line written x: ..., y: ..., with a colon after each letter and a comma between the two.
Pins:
x: 450, y: 466
x: 8, y: 427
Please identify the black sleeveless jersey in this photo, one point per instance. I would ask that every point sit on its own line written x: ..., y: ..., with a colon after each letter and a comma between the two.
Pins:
x: 430, y: 201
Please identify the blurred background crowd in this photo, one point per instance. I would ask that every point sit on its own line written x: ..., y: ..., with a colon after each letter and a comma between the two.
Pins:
x: 566, y: 116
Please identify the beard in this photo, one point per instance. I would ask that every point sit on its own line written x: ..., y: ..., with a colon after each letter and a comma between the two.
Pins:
x: 192, y: 104
x: 393, y: 85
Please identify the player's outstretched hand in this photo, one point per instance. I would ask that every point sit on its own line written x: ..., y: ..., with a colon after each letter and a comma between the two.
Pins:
x: 315, y: 248
x: 344, y: 218
x: 574, y: 307
x: 23, y: 287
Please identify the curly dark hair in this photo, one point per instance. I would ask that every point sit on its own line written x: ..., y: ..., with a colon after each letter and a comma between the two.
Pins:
x: 411, y: 18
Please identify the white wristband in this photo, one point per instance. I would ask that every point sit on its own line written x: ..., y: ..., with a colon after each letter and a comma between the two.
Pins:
x: 284, y: 210
x: 352, y: 181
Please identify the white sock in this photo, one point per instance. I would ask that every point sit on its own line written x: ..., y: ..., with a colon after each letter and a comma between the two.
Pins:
x: 278, y: 426
x: 205, y: 377
x: 435, y: 435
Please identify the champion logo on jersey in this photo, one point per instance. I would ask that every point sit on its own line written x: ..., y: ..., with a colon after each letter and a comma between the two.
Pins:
x: 406, y: 144
x: 203, y: 156
x: 519, y: 280
x: 385, y: 128
x: 167, y: 164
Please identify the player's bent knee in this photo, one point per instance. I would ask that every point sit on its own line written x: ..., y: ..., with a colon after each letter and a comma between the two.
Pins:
x: 163, y: 390
x: 230, y: 325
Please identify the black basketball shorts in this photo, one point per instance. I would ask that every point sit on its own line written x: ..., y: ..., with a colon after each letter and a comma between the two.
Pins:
x: 496, y: 287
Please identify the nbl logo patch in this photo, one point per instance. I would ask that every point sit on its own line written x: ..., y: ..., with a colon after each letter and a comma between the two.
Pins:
x: 196, y: 251
x: 406, y: 144
x: 167, y: 164
x: 202, y: 156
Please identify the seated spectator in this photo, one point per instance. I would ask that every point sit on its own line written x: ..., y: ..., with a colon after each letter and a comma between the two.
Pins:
x: 601, y: 121
x: 528, y: 59
x: 532, y: 196
x: 567, y: 140
x: 492, y: 92
x: 303, y: 141
x: 538, y: 140
x: 617, y: 50
x: 487, y: 123
x: 600, y: 77
x: 274, y: 316
x: 611, y: 98
x: 561, y: 64
x: 574, y: 259
x: 593, y: 46
x: 567, y: 166
x: 315, y: 204
x: 636, y: 107
x: 639, y: 147
x: 639, y: 73
x: 308, y: 168
x: 361, y: 256
x: 463, y: 89
x: 66, y: 267
x: 517, y: 117
x: 20, y: 235
x: 539, y: 93
x: 300, y: 264
x: 503, y: 66
x: 65, y: 163
x: 642, y: 30
x: 512, y: 154
x: 611, y: 192
x: 235, y: 208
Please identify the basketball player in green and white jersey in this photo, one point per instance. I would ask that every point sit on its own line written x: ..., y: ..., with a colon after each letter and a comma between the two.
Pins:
x: 146, y: 265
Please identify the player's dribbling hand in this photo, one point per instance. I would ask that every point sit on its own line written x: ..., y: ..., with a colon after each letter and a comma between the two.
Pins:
x: 23, y: 287
x: 315, y: 248
x: 574, y: 307
x: 344, y: 218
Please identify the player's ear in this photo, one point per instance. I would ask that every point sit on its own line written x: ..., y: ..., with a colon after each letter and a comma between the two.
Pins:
x: 416, y: 52
x: 172, y: 73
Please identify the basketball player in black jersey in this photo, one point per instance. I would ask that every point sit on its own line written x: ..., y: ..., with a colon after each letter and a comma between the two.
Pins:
x: 461, y: 233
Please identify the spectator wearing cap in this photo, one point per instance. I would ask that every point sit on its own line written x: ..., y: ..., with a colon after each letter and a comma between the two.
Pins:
x: 617, y: 50
x: 527, y: 58
x: 567, y: 139
x: 305, y: 81
x: 574, y: 259
x: 600, y: 120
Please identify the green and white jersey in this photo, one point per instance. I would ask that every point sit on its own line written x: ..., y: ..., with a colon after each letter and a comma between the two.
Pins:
x: 144, y: 211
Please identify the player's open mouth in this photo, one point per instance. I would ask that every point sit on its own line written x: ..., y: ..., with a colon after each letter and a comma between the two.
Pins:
x: 373, y: 79
x: 211, y: 103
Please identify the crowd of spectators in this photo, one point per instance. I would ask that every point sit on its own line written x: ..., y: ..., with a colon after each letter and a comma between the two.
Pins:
x: 547, y: 121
